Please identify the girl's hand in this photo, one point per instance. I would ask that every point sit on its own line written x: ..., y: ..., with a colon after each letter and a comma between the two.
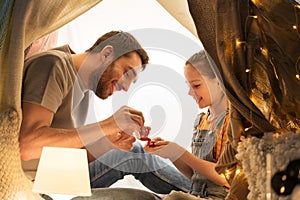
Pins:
x: 156, y: 144
x: 165, y: 149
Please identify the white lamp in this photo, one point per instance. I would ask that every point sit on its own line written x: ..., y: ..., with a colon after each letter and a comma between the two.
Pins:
x: 63, y: 173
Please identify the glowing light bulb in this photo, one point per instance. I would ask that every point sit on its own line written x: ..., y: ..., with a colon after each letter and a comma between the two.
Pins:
x: 247, y: 129
x: 248, y: 70
x: 268, y: 196
x: 227, y: 173
x: 295, y: 27
x: 283, y: 178
x: 238, y: 42
x: 298, y: 77
x: 282, y: 189
x: 264, y: 51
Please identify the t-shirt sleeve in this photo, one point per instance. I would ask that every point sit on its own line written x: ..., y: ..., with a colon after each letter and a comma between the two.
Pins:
x: 43, y: 82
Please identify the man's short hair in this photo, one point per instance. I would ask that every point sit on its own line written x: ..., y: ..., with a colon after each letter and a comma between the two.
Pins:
x: 123, y: 43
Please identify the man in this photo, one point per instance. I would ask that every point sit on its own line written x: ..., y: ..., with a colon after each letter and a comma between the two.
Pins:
x: 55, y: 98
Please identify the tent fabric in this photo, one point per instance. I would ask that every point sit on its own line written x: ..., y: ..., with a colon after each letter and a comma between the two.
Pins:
x: 46, y: 42
x: 258, y: 59
x: 180, y: 11
x: 29, y: 21
x: 256, y: 51
x: 6, y: 10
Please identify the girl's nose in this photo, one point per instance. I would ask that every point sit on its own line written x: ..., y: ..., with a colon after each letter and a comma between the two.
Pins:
x: 191, y: 92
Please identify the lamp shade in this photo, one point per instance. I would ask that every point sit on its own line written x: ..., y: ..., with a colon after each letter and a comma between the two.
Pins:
x: 63, y: 171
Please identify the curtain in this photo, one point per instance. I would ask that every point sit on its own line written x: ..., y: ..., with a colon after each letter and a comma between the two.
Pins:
x: 23, y: 22
x: 180, y: 11
x: 255, y: 46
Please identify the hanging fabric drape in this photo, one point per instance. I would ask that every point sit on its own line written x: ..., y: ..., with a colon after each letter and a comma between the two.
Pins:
x: 30, y: 21
x: 180, y: 11
x: 22, y: 23
x: 255, y: 46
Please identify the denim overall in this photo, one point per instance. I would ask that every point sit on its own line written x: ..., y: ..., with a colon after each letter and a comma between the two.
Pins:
x: 203, y: 146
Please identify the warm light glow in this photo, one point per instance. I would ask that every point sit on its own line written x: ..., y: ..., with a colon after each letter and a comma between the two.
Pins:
x: 264, y: 51
x: 276, y: 135
x: 254, y: 16
x: 297, y: 6
x: 237, y: 172
x: 298, y: 77
x: 238, y: 42
x: 286, y: 138
x: 248, y: 128
x: 295, y: 27
x: 282, y: 189
x: 283, y: 178
x: 227, y: 173
x: 248, y: 70
x: 268, y: 170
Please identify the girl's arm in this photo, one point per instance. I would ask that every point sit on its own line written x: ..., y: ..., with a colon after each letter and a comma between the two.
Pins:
x: 203, y: 167
x: 185, y: 161
x: 184, y: 168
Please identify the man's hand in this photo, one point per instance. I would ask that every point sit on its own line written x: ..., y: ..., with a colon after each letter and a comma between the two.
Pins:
x: 122, y: 141
x: 126, y: 120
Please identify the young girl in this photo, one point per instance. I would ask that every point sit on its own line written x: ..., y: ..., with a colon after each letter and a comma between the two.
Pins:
x: 209, y: 135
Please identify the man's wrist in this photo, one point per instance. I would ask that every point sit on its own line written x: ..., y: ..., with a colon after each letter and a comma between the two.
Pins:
x: 107, y: 127
x: 90, y: 133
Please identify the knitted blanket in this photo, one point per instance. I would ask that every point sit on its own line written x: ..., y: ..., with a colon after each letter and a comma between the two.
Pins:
x: 14, y: 184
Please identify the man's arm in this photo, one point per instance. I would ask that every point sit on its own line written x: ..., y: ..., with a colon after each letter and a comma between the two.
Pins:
x: 36, y: 131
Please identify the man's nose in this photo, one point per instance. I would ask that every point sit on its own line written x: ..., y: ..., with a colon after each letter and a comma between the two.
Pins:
x: 126, y: 85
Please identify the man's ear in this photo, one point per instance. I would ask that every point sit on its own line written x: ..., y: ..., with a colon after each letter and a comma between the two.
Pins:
x: 107, y: 52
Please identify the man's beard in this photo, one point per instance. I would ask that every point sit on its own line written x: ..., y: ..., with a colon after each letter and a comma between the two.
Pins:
x: 101, y: 90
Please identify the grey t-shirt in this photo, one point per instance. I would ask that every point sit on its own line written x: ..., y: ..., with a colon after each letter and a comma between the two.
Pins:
x: 48, y: 81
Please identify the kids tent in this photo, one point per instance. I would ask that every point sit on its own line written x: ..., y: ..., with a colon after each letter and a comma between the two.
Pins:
x: 255, y: 48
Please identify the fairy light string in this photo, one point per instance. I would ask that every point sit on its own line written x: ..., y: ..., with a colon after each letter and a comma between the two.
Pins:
x: 296, y: 28
x: 251, y: 18
x: 242, y: 43
x: 263, y: 50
